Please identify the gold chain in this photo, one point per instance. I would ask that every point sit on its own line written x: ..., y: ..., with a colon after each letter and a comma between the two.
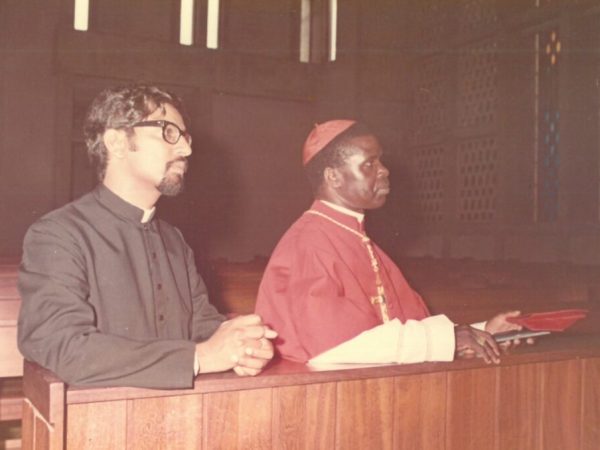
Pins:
x: 379, y: 299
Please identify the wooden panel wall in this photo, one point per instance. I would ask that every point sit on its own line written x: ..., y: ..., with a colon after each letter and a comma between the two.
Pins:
x: 519, y: 428
x: 561, y: 405
x: 591, y: 406
x: 539, y: 405
x: 365, y: 414
x: 420, y: 413
x: 294, y: 410
x: 471, y: 409
x: 11, y: 361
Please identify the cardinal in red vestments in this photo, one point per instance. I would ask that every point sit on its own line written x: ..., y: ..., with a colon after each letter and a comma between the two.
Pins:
x: 327, y: 282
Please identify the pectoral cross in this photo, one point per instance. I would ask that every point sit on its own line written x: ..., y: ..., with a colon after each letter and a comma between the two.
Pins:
x: 379, y: 300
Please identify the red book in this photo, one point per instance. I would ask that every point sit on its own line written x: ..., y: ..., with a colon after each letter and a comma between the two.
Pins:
x: 551, y: 320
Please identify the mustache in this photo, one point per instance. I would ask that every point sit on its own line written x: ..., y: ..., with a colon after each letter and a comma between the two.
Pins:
x: 180, y: 160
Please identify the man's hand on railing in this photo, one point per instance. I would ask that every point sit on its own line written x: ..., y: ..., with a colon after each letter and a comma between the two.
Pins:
x: 242, y: 344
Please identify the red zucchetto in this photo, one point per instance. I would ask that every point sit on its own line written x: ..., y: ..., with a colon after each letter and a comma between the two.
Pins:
x: 321, y: 135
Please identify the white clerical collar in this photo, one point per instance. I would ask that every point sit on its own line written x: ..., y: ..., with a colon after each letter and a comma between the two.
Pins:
x: 148, y: 214
x: 358, y: 216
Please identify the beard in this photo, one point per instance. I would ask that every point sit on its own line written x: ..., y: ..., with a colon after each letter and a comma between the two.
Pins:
x: 172, y: 184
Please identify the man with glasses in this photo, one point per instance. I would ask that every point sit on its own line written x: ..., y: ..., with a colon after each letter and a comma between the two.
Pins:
x: 110, y: 292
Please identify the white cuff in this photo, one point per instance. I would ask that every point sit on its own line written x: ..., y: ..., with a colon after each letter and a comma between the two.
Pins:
x: 479, y: 325
x: 430, y: 339
x: 196, y: 364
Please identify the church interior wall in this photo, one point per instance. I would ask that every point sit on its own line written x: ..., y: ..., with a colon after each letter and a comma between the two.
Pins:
x: 420, y: 74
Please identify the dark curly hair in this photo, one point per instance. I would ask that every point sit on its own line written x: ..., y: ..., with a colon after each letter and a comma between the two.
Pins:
x: 333, y: 155
x: 119, y: 108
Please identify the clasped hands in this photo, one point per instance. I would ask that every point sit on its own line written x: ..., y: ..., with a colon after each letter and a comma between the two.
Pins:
x: 472, y: 342
x: 242, y: 344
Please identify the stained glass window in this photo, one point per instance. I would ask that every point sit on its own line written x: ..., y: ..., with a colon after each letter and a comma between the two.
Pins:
x: 548, y: 127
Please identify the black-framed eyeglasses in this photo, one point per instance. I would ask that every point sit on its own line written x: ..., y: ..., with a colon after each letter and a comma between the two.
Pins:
x: 170, y: 131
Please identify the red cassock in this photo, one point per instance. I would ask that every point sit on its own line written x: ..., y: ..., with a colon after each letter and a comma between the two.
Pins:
x: 317, y: 287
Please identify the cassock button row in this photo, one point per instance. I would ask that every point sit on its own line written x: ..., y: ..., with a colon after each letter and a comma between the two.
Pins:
x: 161, y: 317
x: 159, y: 286
x: 153, y: 255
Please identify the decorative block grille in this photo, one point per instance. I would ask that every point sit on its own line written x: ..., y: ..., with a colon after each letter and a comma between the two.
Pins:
x: 432, y: 23
x: 431, y: 95
x: 477, y: 180
x: 477, y: 85
x: 430, y: 183
x: 476, y: 15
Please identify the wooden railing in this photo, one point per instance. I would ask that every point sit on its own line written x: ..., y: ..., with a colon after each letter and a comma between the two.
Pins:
x: 541, y: 397
x: 11, y: 361
x: 467, y: 291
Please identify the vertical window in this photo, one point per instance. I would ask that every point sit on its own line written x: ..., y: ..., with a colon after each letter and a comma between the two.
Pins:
x: 318, y: 30
x: 305, y: 31
x: 332, y: 30
x: 186, y: 22
x: 212, y: 24
x: 81, y: 15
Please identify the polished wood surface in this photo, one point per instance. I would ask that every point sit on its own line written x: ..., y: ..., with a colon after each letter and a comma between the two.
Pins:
x: 11, y: 361
x: 279, y: 408
x: 470, y: 423
x: 294, y: 413
x: 591, y: 409
x: 11, y: 398
x: 420, y: 415
x: 433, y: 406
x: 561, y: 406
x: 523, y: 421
x: 44, y: 409
x: 539, y: 397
